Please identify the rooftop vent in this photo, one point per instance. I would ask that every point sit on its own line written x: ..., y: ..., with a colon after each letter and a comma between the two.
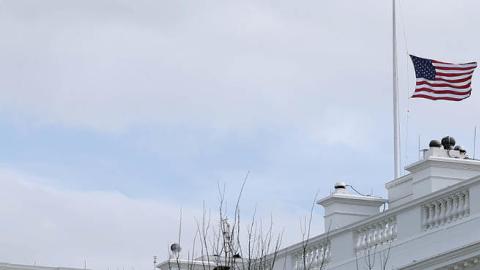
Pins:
x: 445, y: 148
x: 448, y: 142
x: 340, y: 187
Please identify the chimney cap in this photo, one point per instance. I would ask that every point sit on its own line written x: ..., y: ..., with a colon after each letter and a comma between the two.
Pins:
x: 435, y: 143
x: 340, y: 185
x: 448, y: 142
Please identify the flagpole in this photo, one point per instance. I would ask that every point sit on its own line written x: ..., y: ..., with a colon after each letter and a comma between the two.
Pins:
x: 396, y: 125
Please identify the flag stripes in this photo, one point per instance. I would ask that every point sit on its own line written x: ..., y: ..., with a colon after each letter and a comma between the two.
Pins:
x: 442, y: 81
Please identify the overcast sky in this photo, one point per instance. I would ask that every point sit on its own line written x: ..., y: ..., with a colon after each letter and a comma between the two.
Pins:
x: 114, y: 115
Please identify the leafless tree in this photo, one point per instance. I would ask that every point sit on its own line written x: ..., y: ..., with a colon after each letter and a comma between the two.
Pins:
x: 220, y: 243
x: 224, y: 243
x: 372, y: 255
x: 306, y: 231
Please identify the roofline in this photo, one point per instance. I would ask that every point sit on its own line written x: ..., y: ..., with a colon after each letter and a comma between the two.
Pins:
x: 392, y: 211
x: 29, y: 266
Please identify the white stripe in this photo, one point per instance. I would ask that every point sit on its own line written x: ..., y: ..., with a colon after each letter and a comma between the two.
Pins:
x: 449, y: 83
x: 435, y: 88
x: 441, y: 95
x: 473, y: 65
x: 454, y: 77
x: 455, y: 71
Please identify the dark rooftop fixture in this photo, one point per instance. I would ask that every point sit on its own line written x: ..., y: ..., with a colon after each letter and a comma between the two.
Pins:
x: 448, y: 142
x: 459, y: 148
x: 340, y: 185
x: 175, y: 247
x: 435, y: 143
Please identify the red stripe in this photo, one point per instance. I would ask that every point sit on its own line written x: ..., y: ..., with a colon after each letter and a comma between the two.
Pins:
x: 453, y: 74
x: 445, y: 85
x: 442, y: 91
x: 455, y: 81
x: 436, y: 61
x: 454, y: 68
x: 438, y: 98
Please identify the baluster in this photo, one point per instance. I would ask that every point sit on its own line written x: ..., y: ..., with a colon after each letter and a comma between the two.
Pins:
x: 378, y: 237
x: 438, y: 212
x: 388, y: 230
x: 381, y: 229
x: 369, y: 236
x: 431, y: 217
x: 467, y: 203
x: 443, y: 217
x: 456, y: 206
x: 462, y: 204
x: 388, y: 224
x: 375, y: 234
x: 314, y: 255
x: 364, y: 238
x: 320, y: 254
x: 448, y: 213
x: 425, y: 217
x: 371, y: 233
x: 386, y: 227
x: 435, y: 214
x: 359, y: 239
x: 394, y: 228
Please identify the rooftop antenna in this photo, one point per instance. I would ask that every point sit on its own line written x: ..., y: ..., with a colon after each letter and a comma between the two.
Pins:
x: 154, y: 262
x: 474, y: 141
x: 419, y: 148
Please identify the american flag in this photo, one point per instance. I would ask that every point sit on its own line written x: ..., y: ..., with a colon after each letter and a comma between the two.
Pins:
x: 442, y: 81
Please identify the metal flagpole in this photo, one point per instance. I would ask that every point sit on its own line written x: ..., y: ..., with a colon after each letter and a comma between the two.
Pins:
x: 396, y: 125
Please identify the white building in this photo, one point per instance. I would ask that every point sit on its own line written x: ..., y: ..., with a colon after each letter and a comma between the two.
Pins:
x: 432, y: 222
x: 11, y: 266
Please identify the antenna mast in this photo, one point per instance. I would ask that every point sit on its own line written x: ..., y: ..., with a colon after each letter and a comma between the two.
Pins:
x: 396, y: 125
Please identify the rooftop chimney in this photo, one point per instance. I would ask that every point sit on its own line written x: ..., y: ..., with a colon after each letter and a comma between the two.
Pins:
x: 343, y: 208
x: 443, y: 164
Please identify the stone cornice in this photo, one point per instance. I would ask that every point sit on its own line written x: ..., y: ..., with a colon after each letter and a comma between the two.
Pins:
x: 361, y: 200
x: 466, y: 164
x: 460, y: 258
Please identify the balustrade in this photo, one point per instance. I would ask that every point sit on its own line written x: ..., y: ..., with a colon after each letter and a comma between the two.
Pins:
x: 312, y: 256
x: 376, y: 233
x: 445, y: 210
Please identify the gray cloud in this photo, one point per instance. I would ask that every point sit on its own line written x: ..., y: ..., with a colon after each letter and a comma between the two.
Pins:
x: 317, y: 70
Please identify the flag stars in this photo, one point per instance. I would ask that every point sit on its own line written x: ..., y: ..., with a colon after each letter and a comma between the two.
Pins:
x: 423, y: 68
